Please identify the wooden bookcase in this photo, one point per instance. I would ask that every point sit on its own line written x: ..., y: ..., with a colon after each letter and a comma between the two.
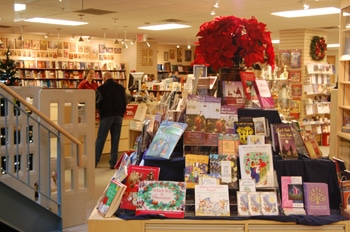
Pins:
x: 343, y: 104
x: 63, y: 78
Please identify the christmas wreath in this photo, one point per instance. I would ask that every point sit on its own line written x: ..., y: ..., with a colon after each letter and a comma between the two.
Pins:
x: 318, y: 48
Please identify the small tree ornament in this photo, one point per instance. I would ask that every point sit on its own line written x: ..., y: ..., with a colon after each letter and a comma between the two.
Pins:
x: 8, y: 69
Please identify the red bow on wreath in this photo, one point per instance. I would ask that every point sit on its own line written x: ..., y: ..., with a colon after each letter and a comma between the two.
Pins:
x: 318, y: 48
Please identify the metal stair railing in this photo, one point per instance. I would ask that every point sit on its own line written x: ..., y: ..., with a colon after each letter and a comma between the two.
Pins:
x: 27, y: 139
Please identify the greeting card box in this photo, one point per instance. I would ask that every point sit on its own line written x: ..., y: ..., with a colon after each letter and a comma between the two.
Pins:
x: 263, y: 92
x: 233, y: 93
x: 165, y: 198
x: 212, y: 200
x: 269, y: 205
x: 242, y: 204
x: 316, y: 198
x: 165, y: 140
x: 292, y: 192
x: 195, y: 165
x: 111, y: 198
x: 256, y: 163
x: 254, y: 203
x: 136, y: 174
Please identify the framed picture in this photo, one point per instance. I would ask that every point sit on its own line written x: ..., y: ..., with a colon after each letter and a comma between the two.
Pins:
x: 294, y: 106
x: 188, y: 55
x: 43, y: 45
x: 101, y: 48
x: 19, y: 44
x: 199, y: 70
x: 284, y: 58
x: 166, y: 56
x: 294, y: 76
x: 296, y: 90
x: 179, y: 55
x: 26, y: 44
x: 172, y: 54
x: 167, y: 66
x: 4, y: 41
x: 295, y: 58
x: 117, y: 50
x: 11, y: 43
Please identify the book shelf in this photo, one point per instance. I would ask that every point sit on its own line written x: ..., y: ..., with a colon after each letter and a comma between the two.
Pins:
x: 343, y: 105
x: 63, y: 78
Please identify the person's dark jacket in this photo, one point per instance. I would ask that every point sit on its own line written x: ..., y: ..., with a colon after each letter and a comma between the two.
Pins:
x: 111, y: 99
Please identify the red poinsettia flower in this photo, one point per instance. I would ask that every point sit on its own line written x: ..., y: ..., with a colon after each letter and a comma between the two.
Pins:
x: 229, y: 41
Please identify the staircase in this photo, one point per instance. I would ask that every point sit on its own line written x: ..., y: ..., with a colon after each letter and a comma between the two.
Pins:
x: 24, y: 214
x: 46, y: 174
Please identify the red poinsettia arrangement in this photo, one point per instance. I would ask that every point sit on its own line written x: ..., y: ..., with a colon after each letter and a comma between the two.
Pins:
x: 229, y: 41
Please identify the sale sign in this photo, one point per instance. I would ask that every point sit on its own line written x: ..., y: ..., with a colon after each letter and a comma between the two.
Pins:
x: 130, y: 111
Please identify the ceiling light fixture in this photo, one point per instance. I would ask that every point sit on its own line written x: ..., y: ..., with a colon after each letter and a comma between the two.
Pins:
x: 333, y: 45
x: 46, y: 36
x: 21, y: 36
x: 212, y: 12
x: 148, y: 44
x: 55, y: 21
x: 161, y: 27
x: 58, y: 33
x: 19, y: 7
x: 124, y: 40
x: 1, y: 41
x: 104, y: 38
x: 72, y: 37
x: 308, y: 12
x: 306, y: 6
x: 216, y: 4
x: 188, y: 46
x: 81, y: 39
x: 116, y: 41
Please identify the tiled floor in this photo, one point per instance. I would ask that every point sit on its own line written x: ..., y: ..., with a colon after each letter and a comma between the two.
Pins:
x: 102, y: 175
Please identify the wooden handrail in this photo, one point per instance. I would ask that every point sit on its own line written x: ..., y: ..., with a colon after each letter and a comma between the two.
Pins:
x: 41, y: 115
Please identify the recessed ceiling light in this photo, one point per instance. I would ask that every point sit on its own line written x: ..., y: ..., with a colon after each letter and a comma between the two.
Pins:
x: 19, y: 7
x: 160, y: 27
x: 308, y: 12
x: 56, y: 21
x: 333, y: 45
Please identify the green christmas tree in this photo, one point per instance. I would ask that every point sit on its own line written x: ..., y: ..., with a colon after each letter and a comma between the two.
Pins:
x: 8, y: 69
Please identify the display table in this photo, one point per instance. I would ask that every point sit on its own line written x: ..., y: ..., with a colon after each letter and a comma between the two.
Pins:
x: 97, y: 223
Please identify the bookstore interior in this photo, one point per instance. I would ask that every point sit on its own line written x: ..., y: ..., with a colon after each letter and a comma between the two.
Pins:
x: 260, y: 135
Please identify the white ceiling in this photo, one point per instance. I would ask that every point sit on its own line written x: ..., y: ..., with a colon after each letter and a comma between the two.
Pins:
x: 134, y: 13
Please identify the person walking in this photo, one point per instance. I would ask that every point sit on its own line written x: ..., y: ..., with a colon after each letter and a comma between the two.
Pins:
x: 111, y: 102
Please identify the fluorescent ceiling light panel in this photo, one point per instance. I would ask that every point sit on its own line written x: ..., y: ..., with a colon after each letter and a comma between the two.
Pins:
x: 56, y: 21
x: 275, y: 41
x: 160, y: 27
x: 19, y: 7
x: 309, y: 12
x: 333, y: 45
